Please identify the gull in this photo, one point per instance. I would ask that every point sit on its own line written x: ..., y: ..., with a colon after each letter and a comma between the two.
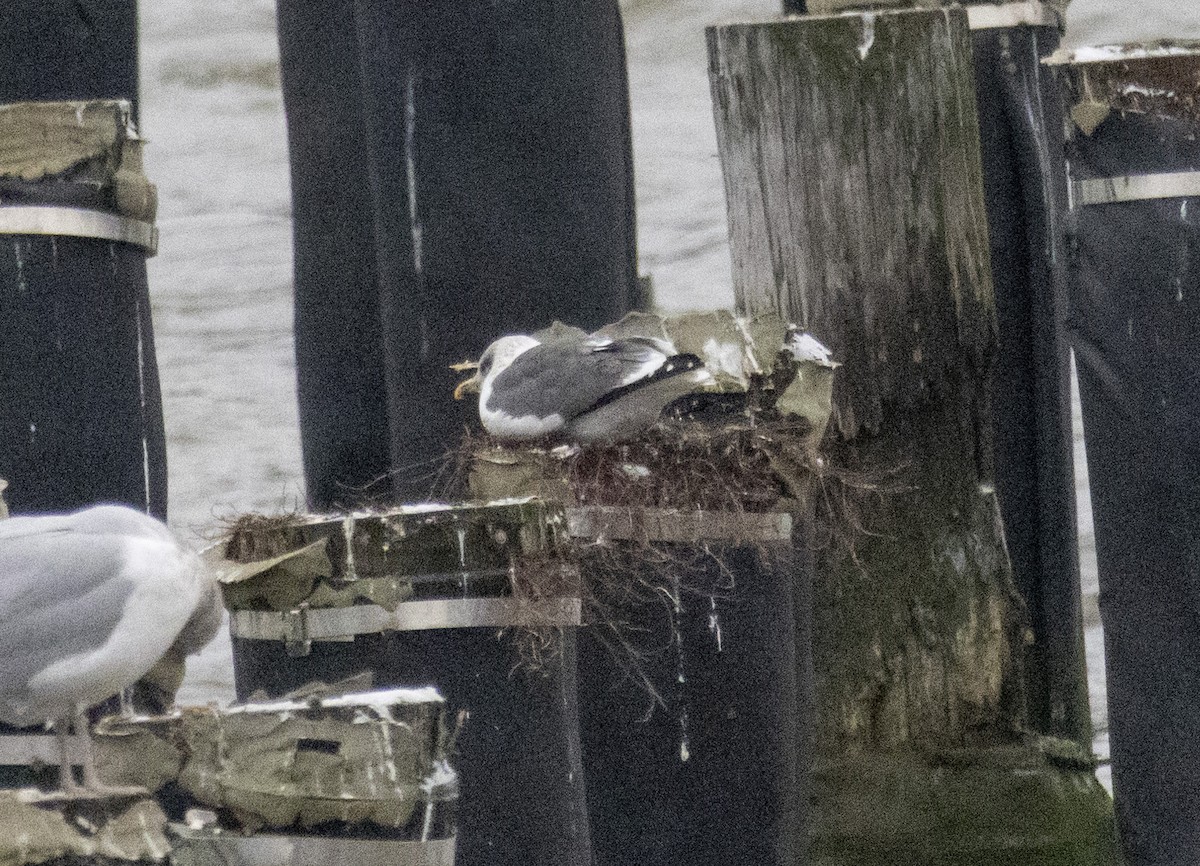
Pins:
x: 89, y: 603
x: 585, y: 388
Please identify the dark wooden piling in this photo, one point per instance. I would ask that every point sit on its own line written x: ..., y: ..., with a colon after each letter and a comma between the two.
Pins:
x: 1025, y: 191
x: 851, y: 153
x: 69, y: 51
x: 694, y: 722
x: 695, y: 685
x: 476, y: 601
x: 341, y: 390
x: 80, y: 409
x: 81, y: 416
x: 487, y: 181
x: 1135, y: 281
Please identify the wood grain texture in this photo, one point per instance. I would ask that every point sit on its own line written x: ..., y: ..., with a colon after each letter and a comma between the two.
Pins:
x: 854, y: 188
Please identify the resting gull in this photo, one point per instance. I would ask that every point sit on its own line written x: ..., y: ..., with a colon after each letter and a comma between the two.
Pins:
x: 90, y: 602
x: 586, y: 389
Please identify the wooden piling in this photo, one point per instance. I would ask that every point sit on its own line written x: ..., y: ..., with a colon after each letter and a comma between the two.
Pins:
x: 695, y: 685
x: 851, y: 153
x: 475, y: 600
x: 80, y: 408
x: 1134, y: 156
x: 60, y: 51
x: 1025, y: 190
x: 489, y: 149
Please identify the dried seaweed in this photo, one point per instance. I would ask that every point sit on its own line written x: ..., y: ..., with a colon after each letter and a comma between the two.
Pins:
x: 1162, y: 85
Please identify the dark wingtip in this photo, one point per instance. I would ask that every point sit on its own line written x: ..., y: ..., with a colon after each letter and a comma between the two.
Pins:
x: 682, y: 363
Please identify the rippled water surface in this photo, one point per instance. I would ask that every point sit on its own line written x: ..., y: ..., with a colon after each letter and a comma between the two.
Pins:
x: 212, y: 110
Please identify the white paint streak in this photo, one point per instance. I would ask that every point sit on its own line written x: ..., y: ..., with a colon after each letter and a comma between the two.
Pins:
x: 461, y: 532
x: 1105, y: 53
x: 348, y: 535
x: 868, y: 35
x: 805, y: 347
x: 1129, y: 89
x: 141, y: 372
x: 22, y: 285
x: 380, y: 701
x: 410, y: 165
x: 714, y: 623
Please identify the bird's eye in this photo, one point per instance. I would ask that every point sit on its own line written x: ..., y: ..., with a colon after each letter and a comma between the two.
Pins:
x: 485, y: 365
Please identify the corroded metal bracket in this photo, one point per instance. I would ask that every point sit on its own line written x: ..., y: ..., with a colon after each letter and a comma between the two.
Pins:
x: 303, y: 625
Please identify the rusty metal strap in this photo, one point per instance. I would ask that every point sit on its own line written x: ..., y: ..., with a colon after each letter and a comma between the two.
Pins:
x: 1136, y: 187
x: 79, y: 223
x: 293, y: 850
x: 993, y: 16
x: 659, y: 524
x: 339, y: 623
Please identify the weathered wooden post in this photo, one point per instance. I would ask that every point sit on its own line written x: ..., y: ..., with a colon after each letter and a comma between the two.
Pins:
x: 850, y: 146
x: 1134, y: 160
x: 1024, y: 183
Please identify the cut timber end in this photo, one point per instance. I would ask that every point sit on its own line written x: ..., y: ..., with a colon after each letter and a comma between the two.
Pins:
x: 850, y: 147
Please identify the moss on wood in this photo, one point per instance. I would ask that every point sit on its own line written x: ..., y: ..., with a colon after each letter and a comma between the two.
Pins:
x: 1004, y: 806
x: 850, y: 148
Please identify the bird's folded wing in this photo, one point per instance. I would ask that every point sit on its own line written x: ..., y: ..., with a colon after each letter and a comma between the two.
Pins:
x: 567, y: 379
x: 58, y: 597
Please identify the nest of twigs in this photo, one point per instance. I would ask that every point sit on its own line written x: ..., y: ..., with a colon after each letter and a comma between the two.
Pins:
x: 631, y: 591
x: 252, y: 537
x: 705, y: 456
x: 1163, y: 85
x: 687, y: 468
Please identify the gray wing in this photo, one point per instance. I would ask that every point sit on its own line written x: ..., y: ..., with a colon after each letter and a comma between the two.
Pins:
x: 59, y: 594
x: 568, y: 379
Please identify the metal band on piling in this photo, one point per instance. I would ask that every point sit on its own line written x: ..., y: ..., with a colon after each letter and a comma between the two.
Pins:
x: 618, y: 523
x: 989, y: 16
x: 77, y: 222
x: 1136, y: 187
x: 295, y: 850
x: 315, y: 624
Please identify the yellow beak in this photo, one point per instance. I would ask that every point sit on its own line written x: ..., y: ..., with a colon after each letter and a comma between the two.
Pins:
x: 467, y: 386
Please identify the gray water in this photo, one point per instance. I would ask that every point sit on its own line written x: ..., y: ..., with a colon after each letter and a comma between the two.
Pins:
x: 221, y: 284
